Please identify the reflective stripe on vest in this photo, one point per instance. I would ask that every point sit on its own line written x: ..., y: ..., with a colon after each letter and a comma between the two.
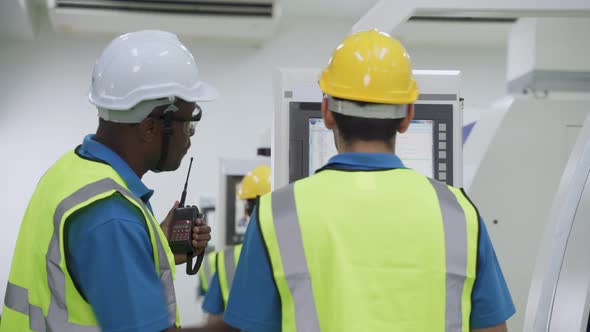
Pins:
x: 293, y: 257
x: 57, y: 317
x: 455, y: 229
x: 17, y: 299
x: 292, y: 254
x: 227, y: 261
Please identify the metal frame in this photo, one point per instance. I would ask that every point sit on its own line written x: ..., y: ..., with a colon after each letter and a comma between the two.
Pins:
x: 559, y: 297
x: 231, y: 170
x: 300, y: 85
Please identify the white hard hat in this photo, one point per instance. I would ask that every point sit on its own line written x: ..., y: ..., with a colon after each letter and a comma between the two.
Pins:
x: 142, y: 70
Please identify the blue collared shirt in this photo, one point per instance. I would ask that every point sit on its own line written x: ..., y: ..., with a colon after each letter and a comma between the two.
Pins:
x: 109, y: 254
x: 254, y: 302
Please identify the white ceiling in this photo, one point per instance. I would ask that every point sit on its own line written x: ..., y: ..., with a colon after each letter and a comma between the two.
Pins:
x: 461, y: 34
x: 327, y: 8
x: 413, y: 32
x: 15, y: 22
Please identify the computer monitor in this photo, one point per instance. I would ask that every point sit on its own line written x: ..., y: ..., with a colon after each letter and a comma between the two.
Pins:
x: 431, y: 146
x: 236, y: 215
x: 208, y: 213
x: 425, y: 147
x: 414, y: 147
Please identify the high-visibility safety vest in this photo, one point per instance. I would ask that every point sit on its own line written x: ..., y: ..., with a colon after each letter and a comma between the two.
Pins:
x: 41, y: 295
x: 209, y: 269
x: 227, y: 261
x: 383, y: 250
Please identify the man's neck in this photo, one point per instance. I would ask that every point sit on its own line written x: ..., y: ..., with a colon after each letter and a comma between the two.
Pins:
x: 124, y: 154
x: 368, y: 147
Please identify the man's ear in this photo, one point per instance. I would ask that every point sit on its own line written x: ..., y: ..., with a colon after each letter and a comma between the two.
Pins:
x: 327, y: 115
x: 405, y: 124
x: 148, y: 130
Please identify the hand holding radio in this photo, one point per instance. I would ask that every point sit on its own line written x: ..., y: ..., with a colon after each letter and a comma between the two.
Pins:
x: 186, y: 232
x: 201, y: 235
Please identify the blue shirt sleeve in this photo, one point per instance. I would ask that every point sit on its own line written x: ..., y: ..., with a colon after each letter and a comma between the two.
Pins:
x: 491, y: 301
x: 254, y: 303
x: 110, y: 258
x: 213, y: 303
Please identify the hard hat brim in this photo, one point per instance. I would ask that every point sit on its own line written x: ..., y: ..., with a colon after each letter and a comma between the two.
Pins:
x: 206, y: 92
x: 202, y: 93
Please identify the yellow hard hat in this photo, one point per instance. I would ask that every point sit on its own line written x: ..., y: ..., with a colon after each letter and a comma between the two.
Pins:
x: 370, y: 66
x: 255, y: 183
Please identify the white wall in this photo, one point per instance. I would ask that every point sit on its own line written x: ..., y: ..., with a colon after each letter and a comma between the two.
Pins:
x: 483, y: 72
x: 44, y: 111
x: 517, y: 181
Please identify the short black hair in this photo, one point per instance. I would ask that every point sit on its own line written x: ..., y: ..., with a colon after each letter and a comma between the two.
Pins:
x: 353, y: 128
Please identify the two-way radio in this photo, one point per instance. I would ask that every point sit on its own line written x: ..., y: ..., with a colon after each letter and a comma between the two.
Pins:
x: 180, y: 232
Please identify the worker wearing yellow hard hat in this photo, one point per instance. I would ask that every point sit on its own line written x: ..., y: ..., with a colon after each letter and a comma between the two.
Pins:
x: 255, y: 184
x: 367, y: 244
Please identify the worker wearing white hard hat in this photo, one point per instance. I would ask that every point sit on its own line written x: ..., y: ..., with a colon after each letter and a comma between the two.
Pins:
x: 90, y: 255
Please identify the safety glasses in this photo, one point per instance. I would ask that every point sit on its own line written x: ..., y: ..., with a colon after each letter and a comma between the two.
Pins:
x: 189, y: 124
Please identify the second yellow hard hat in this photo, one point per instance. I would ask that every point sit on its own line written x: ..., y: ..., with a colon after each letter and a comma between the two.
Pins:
x: 255, y: 183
